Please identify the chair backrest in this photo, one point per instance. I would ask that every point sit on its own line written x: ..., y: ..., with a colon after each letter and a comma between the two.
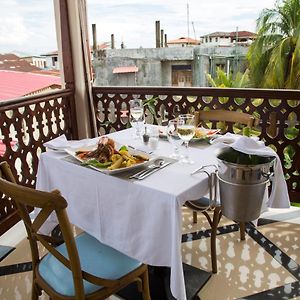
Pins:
x: 225, y: 116
x: 48, y: 203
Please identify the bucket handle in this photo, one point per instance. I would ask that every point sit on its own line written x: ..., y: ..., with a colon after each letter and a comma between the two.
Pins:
x: 268, y: 175
x: 212, y: 183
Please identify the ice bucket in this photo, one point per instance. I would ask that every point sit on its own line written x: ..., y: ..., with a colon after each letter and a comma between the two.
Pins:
x: 242, y: 181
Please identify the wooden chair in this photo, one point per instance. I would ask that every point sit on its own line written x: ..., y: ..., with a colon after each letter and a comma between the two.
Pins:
x: 225, y: 116
x: 81, y: 267
x: 203, y: 204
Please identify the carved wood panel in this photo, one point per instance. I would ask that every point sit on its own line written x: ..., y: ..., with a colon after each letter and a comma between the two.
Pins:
x: 278, y: 111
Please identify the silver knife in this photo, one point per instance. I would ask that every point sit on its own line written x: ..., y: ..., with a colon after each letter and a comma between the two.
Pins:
x: 153, y: 171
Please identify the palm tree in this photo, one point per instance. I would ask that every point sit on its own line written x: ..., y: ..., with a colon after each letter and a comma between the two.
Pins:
x: 274, y: 57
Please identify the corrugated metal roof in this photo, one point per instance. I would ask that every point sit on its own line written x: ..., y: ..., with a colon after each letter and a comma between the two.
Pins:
x: 17, y: 84
x: 128, y: 69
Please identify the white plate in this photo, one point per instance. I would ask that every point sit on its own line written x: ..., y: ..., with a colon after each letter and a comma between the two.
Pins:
x: 131, y: 150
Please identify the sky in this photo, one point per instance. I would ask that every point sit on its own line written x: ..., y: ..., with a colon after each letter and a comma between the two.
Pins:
x: 27, y: 26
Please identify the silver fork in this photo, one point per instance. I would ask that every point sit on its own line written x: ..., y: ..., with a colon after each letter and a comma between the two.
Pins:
x: 156, y: 164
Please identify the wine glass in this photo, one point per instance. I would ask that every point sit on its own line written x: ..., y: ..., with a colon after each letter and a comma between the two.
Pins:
x: 173, y: 137
x: 137, y: 115
x: 186, y: 130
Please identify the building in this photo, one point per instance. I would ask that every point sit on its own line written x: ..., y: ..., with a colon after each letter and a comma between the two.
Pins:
x: 183, y: 42
x: 16, y: 84
x: 223, y: 39
x: 35, y: 60
x: 172, y: 66
x: 52, y: 60
x: 12, y: 62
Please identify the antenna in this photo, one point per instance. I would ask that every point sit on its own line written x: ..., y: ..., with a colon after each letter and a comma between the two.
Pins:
x: 188, y: 20
x: 194, y: 30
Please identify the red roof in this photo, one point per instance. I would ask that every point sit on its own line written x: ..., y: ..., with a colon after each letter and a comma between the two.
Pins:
x: 17, y: 84
x: 129, y: 69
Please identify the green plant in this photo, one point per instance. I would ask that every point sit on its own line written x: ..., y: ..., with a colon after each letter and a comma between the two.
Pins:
x: 274, y: 56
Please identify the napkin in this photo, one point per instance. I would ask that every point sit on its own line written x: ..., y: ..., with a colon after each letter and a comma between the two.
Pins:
x: 279, y: 197
x: 61, y: 143
x: 229, y: 138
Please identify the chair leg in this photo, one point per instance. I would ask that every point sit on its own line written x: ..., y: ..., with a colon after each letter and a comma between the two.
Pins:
x: 195, y: 217
x: 146, y: 291
x: 34, y: 292
x: 242, y: 231
x: 216, y: 219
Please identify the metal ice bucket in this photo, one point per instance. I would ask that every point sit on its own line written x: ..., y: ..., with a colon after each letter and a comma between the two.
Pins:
x: 242, y: 181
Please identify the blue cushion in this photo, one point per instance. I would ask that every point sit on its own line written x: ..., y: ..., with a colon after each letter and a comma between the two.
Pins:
x: 203, y: 202
x: 5, y: 250
x: 95, y: 258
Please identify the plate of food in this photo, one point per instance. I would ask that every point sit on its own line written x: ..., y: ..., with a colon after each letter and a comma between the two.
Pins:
x: 109, y: 157
x: 204, y: 133
x: 200, y: 133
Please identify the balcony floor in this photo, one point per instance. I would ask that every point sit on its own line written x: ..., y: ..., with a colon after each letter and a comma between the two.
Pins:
x: 267, y: 262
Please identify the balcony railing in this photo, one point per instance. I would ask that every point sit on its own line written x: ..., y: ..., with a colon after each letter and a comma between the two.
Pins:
x: 278, y: 111
x: 31, y: 121
x: 25, y: 124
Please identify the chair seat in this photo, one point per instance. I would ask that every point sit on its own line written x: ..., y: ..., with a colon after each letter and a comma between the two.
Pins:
x: 95, y: 258
x: 199, y: 204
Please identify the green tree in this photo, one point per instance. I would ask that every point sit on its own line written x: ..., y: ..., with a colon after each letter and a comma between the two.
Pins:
x: 274, y: 57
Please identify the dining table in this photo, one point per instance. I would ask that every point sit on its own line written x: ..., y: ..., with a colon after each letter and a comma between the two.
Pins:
x: 141, y: 218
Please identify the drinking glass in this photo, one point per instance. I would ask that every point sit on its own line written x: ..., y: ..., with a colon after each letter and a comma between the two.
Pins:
x: 137, y: 116
x: 154, y: 137
x: 174, y: 138
x: 186, y: 131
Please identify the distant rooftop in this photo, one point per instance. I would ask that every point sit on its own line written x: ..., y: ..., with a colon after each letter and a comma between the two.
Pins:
x: 230, y: 34
x: 17, y: 84
x: 12, y: 62
x: 184, y: 40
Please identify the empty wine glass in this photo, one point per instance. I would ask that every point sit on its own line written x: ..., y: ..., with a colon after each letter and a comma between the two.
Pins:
x: 174, y: 138
x: 137, y: 115
x: 186, y: 131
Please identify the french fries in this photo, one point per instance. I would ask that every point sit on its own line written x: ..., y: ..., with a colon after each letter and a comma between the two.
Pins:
x: 117, y: 164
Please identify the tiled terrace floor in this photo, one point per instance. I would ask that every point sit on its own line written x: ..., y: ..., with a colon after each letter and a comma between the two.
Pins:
x: 267, y: 262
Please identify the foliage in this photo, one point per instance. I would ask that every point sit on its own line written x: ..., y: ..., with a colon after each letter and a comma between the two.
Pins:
x: 274, y: 57
x: 150, y: 104
x: 240, y: 80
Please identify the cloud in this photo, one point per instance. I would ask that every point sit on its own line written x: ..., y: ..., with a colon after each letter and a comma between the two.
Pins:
x: 134, y: 21
x: 28, y: 26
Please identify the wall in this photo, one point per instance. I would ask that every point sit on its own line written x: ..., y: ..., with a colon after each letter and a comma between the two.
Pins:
x: 155, y: 64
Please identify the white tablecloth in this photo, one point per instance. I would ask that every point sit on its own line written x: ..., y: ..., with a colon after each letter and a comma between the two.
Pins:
x: 139, y: 218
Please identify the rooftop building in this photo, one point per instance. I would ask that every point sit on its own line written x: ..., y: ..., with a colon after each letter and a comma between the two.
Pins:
x: 17, y: 84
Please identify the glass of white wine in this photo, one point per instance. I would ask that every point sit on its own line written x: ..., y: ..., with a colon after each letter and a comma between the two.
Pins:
x: 137, y: 115
x: 186, y: 130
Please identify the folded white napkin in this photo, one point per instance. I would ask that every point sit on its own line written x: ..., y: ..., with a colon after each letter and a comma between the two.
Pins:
x: 279, y: 197
x: 61, y: 143
x: 229, y: 138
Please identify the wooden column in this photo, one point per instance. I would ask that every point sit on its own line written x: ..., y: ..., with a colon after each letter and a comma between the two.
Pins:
x: 68, y: 69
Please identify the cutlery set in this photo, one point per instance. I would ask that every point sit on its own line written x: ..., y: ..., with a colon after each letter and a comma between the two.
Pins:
x: 157, y: 165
